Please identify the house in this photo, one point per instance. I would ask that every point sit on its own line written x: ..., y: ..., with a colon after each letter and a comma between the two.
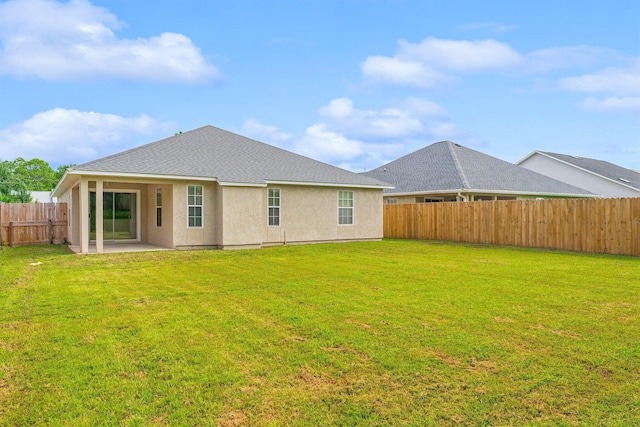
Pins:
x: 210, y: 188
x: 446, y: 171
x: 597, y: 176
x: 42, y: 197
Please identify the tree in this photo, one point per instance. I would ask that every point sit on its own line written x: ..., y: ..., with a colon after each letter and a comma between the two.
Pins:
x: 19, y: 177
x: 36, y: 174
x: 13, y: 188
x: 61, y: 170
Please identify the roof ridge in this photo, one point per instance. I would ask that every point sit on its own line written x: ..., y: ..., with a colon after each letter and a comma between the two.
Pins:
x: 456, y: 162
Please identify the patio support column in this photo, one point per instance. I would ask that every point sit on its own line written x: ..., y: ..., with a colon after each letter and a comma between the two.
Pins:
x: 99, y: 216
x: 84, y: 216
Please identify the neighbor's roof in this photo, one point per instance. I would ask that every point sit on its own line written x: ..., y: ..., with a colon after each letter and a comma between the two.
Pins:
x: 212, y: 153
x: 616, y: 173
x: 446, y: 166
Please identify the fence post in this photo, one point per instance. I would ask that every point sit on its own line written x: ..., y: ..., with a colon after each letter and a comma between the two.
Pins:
x: 50, y: 232
x: 11, y: 233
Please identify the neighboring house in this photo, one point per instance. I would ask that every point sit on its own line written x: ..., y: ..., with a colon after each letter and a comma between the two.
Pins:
x: 597, y: 176
x: 448, y: 172
x: 42, y: 197
x: 210, y: 188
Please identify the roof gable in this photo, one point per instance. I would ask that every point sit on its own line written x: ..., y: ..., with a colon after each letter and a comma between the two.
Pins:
x: 212, y: 153
x: 611, y: 171
x: 447, y: 166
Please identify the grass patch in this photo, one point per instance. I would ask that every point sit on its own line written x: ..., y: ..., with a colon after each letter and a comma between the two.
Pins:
x: 393, y: 332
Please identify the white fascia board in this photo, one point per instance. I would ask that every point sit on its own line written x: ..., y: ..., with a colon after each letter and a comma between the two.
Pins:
x: 419, y: 193
x: 241, y: 184
x: 527, y: 156
x: 326, y: 184
x: 55, y: 189
x: 76, y: 173
x: 587, y: 171
x: 496, y: 192
x: 142, y: 175
x: 531, y: 193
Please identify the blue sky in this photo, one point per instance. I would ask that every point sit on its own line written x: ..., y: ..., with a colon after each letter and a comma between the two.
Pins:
x: 355, y: 83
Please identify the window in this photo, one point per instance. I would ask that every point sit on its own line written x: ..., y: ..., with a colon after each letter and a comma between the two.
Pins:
x: 158, y: 207
x: 194, y: 206
x: 429, y: 199
x: 392, y: 201
x: 273, y: 206
x: 345, y: 207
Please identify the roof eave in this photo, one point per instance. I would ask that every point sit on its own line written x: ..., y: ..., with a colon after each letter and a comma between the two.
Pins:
x: 580, y: 168
x: 505, y: 192
x: 142, y: 175
x: 330, y: 184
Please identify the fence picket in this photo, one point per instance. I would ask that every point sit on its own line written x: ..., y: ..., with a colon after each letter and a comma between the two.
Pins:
x: 583, y: 225
x: 32, y: 223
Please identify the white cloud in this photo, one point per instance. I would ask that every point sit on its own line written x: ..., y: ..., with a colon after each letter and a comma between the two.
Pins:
x: 402, y: 72
x: 612, y: 103
x: 323, y: 144
x: 460, y: 55
x: 566, y: 57
x: 390, y: 123
x: 618, y: 80
x: 61, y: 136
x: 76, y: 41
x: 432, y: 61
x: 364, y: 139
x: 267, y: 133
x: 424, y: 107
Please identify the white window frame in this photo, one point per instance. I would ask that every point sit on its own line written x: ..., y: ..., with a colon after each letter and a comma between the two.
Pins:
x: 277, y: 207
x: 341, y: 200
x: 158, y: 206
x: 195, y: 205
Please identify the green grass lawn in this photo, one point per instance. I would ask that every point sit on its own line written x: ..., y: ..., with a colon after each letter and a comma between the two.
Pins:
x: 380, y: 333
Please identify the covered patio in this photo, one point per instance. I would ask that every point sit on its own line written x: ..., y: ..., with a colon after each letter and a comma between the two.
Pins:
x: 119, y: 214
x: 118, y: 247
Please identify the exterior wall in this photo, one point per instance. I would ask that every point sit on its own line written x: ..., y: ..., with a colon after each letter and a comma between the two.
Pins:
x: 205, y: 236
x: 70, y: 197
x: 574, y: 176
x: 236, y: 216
x: 243, y: 216
x: 163, y: 235
x: 310, y: 214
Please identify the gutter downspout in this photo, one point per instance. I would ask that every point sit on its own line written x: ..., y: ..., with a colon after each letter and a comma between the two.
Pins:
x: 464, y: 199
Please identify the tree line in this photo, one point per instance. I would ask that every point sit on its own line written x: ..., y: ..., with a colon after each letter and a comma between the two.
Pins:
x: 19, y: 177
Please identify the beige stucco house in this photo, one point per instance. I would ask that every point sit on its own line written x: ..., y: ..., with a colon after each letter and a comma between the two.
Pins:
x: 449, y: 172
x: 210, y: 188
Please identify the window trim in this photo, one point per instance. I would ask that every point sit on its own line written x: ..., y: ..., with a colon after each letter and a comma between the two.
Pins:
x: 278, y: 207
x: 159, y: 207
x: 201, y: 206
x: 352, y: 208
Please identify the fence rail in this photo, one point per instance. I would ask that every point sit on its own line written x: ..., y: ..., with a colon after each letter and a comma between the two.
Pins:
x: 609, y: 226
x: 32, y: 223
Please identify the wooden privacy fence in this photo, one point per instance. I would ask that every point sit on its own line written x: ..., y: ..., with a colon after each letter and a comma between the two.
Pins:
x: 33, y: 223
x: 610, y: 226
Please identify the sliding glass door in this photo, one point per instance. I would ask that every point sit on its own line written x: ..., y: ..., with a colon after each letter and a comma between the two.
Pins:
x: 119, y: 216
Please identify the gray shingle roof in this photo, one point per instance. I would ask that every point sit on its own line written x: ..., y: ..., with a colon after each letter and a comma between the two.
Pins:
x: 602, y: 168
x: 210, y: 152
x: 446, y: 166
